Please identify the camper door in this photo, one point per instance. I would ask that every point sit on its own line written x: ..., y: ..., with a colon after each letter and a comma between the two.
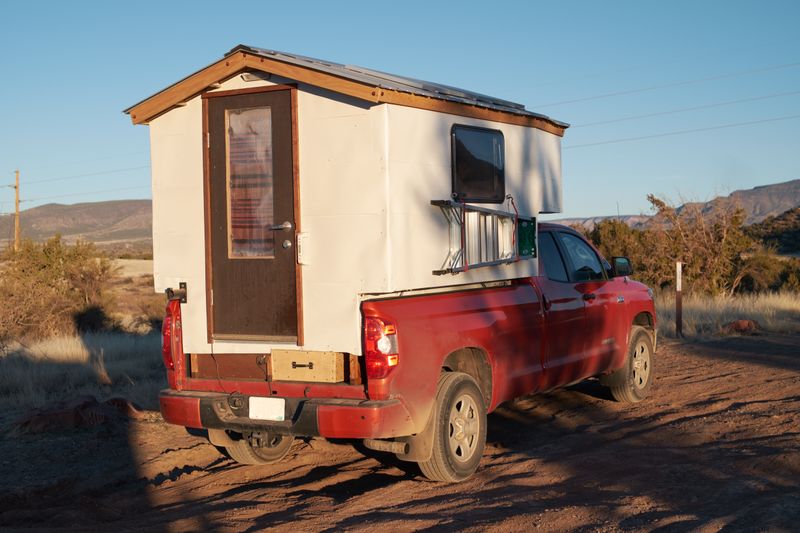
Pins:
x: 250, y: 216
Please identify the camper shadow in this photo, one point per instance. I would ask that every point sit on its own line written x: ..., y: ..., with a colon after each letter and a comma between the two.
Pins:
x: 68, y: 455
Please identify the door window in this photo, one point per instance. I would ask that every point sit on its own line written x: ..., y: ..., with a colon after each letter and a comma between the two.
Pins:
x: 550, y: 258
x: 585, y: 263
x: 248, y: 140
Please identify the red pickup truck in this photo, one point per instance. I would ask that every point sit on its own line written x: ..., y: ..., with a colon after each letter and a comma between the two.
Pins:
x: 435, y: 363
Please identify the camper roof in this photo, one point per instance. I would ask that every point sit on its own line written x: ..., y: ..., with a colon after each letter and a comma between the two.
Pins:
x: 365, y: 78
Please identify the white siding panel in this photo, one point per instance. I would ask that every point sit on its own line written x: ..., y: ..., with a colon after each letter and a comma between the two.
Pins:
x: 178, y: 223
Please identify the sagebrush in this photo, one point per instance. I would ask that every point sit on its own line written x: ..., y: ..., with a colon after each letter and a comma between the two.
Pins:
x: 707, y: 316
x: 98, y: 364
x: 53, y: 288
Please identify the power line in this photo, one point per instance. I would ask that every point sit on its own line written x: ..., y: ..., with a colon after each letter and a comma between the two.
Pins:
x: 729, y: 52
x: 669, y: 85
x: 684, y: 109
x: 75, y: 176
x: 85, y: 193
x: 681, y: 132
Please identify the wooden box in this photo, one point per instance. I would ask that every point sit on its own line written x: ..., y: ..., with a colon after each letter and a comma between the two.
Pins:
x: 303, y: 365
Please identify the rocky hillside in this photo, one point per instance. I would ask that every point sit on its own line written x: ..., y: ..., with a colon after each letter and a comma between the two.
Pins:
x: 762, y: 202
x: 782, y: 231
x: 101, y: 222
x: 758, y: 204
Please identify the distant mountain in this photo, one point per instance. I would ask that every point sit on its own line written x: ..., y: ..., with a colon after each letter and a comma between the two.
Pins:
x: 101, y: 222
x: 758, y: 203
x: 634, y: 221
x: 782, y: 231
x: 131, y: 221
x: 761, y: 202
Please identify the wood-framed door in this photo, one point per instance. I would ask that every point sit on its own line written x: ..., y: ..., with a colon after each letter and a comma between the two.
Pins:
x: 252, y: 277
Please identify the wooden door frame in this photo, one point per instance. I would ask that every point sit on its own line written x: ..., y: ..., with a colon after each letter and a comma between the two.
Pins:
x: 207, y: 200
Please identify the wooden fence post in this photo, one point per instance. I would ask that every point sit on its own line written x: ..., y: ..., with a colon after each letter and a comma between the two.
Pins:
x: 678, y: 300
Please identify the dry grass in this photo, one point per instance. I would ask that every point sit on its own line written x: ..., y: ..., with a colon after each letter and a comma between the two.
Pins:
x: 101, y: 364
x: 706, y: 316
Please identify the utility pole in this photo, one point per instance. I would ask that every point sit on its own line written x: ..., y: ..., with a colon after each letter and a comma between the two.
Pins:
x: 16, y: 212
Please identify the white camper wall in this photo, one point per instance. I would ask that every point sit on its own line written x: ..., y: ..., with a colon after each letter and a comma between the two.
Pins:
x: 367, y: 174
x: 176, y: 159
x: 420, y: 171
x: 342, y: 180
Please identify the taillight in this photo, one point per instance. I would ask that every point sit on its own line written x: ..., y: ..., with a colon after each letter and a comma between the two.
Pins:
x: 171, y: 343
x: 380, y: 347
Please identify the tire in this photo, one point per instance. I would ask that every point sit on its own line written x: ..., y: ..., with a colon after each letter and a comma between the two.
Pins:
x: 459, y: 431
x: 274, y: 448
x: 632, y: 382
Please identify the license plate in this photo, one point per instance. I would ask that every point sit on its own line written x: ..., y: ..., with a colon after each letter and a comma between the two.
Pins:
x: 267, y: 408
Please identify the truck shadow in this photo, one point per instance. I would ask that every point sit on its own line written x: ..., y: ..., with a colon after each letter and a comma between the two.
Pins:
x: 62, y: 461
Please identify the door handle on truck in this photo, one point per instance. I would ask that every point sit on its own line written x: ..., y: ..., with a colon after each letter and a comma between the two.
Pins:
x: 285, y: 226
x: 589, y: 296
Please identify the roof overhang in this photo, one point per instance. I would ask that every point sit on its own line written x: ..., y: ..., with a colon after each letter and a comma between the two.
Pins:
x: 244, y: 58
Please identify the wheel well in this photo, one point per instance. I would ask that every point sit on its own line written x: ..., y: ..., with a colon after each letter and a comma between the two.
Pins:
x: 643, y: 319
x: 472, y: 361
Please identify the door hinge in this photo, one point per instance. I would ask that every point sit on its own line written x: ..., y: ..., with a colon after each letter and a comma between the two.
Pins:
x: 211, y: 296
x: 208, y: 140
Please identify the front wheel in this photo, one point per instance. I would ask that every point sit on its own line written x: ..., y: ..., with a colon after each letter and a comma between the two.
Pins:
x: 459, y: 433
x: 632, y: 382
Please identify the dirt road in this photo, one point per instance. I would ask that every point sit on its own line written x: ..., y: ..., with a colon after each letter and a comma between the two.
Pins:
x: 716, y: 446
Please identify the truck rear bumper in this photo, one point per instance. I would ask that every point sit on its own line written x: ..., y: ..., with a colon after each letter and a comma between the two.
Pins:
x: 324, y: 417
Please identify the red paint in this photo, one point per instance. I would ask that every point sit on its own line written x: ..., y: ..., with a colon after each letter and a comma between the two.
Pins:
x: 172, y: 345
x: 535, y: 333
x: 183, y: 411
x: 504, y: 322
x: 372, y: 420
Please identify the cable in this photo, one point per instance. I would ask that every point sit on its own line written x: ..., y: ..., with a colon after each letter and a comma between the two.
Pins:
x: 75, y: 176
x: 84, y: 193
x: 668, y: 85
x: 725, y: 52
x: 681, y: 132
x: 684, y: 109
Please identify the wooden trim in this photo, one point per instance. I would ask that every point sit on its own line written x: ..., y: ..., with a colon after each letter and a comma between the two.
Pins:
x: 465, y: 110
x: 251, y: 90
x: 269, y: 338
x: 312, y: 77
x: 229, y: 366
x: 157, y: 104
x: 207, y: 220
x: 234, y: 63
x: 298, y: 268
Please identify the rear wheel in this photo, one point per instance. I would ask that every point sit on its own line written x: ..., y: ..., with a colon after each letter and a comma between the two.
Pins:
x: 633, y: 381
x: 259, y: 448
x: 459, y: 429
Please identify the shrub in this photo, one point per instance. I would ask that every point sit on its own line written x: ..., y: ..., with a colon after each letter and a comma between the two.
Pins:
x: 48, y: 289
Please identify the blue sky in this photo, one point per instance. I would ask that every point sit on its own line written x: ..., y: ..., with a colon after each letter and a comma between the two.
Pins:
x: 72, y: 67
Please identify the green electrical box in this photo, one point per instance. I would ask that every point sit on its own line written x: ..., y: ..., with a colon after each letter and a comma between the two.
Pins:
x: 526, y: 237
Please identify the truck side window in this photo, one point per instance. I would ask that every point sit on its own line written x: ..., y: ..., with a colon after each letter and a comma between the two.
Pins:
x: 550, y: 258
x: 478, y: 164
x: 585, y: 262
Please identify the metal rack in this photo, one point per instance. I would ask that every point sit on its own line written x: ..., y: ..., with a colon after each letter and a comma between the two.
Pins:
x: 481, y: 237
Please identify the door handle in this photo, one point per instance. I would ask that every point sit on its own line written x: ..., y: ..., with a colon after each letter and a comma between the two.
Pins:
x: 285, y: 226
x: 546, y: 302
x: 589, y: 296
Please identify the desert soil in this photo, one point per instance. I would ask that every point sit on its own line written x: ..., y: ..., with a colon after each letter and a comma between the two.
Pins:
x: 716, y: 446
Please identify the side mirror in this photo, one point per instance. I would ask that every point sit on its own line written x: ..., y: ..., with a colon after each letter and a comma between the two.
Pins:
x: 621, y: 267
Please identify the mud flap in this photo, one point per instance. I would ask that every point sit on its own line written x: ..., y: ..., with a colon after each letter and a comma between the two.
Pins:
x: 420, y: 446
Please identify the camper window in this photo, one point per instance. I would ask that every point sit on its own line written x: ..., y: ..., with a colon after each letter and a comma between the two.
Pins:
x: 478, y: 169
